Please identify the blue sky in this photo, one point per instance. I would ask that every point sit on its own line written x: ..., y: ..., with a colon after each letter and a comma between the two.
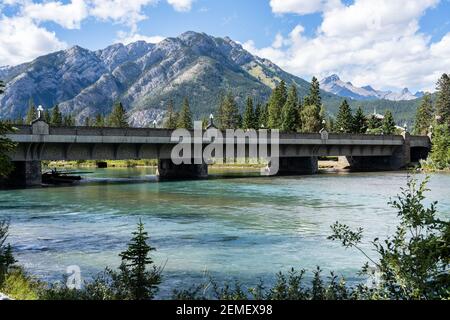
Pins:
x: 388, y: 44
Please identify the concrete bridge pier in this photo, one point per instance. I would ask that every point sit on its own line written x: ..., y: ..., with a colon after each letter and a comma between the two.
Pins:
x: 400, y: 159
x: 168, y: 171
x: 25, y: 174
x: 298, y: 165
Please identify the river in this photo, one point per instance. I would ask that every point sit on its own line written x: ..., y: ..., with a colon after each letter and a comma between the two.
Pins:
x: 243, y: 228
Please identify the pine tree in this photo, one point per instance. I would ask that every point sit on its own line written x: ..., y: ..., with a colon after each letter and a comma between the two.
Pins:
x: 31, y: 113
x: 388, y: 124
x: 264, y: 116
x: 344, y: 119
x: 57, y: 117
x: 171, y: 116
x: 118, y: 117
x: 185, y: 116
x: 141, y: 283
x: 99, y: 121
x: 248, y: 121
x: 290, y: 111
x: 228, y: 114
x: 68, y: 121
x: 359, y: 122
x: 310, y: 116
x: 6, y: 146
x: 47, y: 116
x: 276, y: 104
x: 87, y: 122
x: 6, y: 257
x: 443, y: 100
x: 424, y: 116
x: 257, y: 116
x: 314, y: 97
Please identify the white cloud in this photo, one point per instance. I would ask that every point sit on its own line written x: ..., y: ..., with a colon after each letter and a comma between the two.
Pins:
x: 368, y: 42
x: 67, y: 15
x: 302, y: 6
x: 22, y: 40
x: 181, y: 5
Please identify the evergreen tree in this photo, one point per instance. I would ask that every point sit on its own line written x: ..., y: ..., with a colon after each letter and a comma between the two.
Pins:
x: 424, y: 116
x: 6, y: 257
x: 228, y: 114
x: 276, y: 104
x: 344, y: 119
x: 314, y: 97
x: 99, y: 121
x: 118, y: 117
x: 47, y: 116
x: 185, y: 116
x: 264, y: 117
x: 388, y: 124
x: 31, y: 113
x: 171, y: 116
x: 290, y: 111
x: 248, y: 121
x: 68, y: 121
x: 359, y: 122
x: 257, y: 116
x: 56, y: 117
x: 311, y: 122
x: 443, y: 100
x: 87, y: 122
x: 440, y: 153
x: 140, y: 283
x: 6, y: 146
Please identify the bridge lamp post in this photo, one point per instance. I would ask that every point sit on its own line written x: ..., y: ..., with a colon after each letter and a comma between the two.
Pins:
x: 154, y: 124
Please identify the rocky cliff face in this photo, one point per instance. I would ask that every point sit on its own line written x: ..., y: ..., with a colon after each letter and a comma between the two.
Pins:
x: 143, y: 76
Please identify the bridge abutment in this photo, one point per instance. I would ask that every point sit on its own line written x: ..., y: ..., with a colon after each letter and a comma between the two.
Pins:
x: 298, y: 165
x: 168, y: 171
x: 25, y: 174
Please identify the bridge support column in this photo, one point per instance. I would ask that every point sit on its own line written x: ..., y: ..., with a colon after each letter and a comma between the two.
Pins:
x: 400, y: 159
x: 167, y: 171
x: 25, y: 174
x: 299, y: 166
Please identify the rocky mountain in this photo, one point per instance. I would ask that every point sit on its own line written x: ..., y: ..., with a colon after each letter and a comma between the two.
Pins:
x: 146, y: 76
x: 333, y: 84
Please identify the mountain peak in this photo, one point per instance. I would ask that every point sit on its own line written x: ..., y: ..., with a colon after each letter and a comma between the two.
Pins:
x: 332, y: 78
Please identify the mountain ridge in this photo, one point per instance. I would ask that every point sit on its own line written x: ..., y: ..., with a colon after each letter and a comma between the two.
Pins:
x: 333, y: 84
x: 145, y: 76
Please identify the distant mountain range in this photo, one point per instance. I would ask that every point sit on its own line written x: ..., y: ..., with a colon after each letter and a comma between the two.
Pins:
x: 335, y: 85
x: 146, y: 76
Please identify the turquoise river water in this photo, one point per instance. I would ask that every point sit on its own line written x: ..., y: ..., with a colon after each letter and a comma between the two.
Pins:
x: 244, y: 228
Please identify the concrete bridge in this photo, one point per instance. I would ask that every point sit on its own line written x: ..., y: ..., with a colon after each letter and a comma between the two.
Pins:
x: 298, y: 153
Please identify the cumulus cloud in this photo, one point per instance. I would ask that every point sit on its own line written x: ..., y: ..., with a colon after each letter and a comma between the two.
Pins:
x: 181, y: 5
x: 18, y: 31
x: 367, y: 42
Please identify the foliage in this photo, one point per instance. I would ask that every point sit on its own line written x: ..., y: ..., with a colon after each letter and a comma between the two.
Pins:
x: 118, y: 117
x: 314, y: 98
x: 171, y: 116
x: 310, y: 119
x: 424, y: 116
x: 275, y: 106
x: 344, y: 120
x: 414, y: 263
x: 388, y: 123
x: 6, y: 146
x: 249, y: 120
x: 99, y: 120
x: 6, y: 257
x: 56, y: 119
x: 31, y: 113
x: 289, y: 118
x: 443, y: 100
x: 185, y: 116
x: 20, y: 286
x: 359, y: 122
x: 439, y: 159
